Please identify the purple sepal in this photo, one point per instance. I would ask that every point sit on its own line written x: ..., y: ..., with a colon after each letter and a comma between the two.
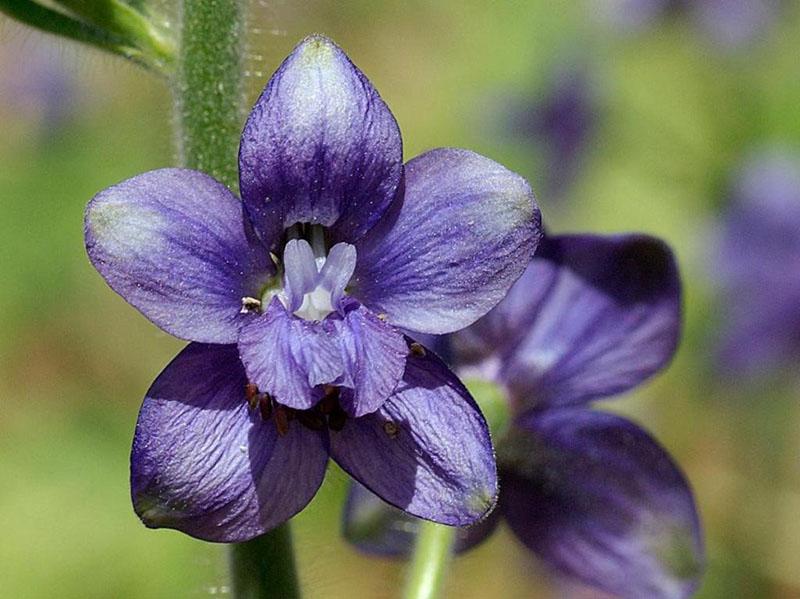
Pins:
x: 174, y: 244
x: 205, y: 464
x: 449, y: 249
x: 374, y: 527
x: 320, y: 147
x: 426, y: 450
x: 593, y: 316
x: 596, y: 498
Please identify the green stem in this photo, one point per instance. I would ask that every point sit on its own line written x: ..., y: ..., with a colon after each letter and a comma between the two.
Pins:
x: 51, y: 21
x: 432, y: 553
x: 208, y: 87
x: 264, y: 567
x: 208, y: 97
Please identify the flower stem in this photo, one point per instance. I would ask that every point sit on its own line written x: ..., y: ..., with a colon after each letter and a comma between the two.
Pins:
x: 264, y: 567
x: 208, y: 96
x: 208, y: 86
x: 432, y: 553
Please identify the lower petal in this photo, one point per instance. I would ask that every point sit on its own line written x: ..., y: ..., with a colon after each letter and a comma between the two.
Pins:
x: 374, y: 355
x: 206, y: 465
x: 289, y: 357
x: 427, y: 449
x: 596, y: 498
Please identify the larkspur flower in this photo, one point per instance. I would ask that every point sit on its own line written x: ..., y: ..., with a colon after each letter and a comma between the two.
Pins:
x: 758, y: 266
x: 294, y: 299
x: 727, y: 23
x: 590, y: 493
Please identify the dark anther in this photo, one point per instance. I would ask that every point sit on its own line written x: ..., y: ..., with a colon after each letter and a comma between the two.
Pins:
x: 265, y: 406
x: 417, y: 349
x: 336, y: 419
x: 311, y: 419
x: 282, y: 419
x: 391, y: 429
x: 251, y: 395
x: 331, y: 399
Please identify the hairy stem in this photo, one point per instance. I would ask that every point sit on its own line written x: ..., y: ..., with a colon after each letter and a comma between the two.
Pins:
x: 208, y: 98
x: 432, y: 553
x: 208, y: 86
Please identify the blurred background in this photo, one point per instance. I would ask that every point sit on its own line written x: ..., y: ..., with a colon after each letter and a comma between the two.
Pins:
x: 680, y: 119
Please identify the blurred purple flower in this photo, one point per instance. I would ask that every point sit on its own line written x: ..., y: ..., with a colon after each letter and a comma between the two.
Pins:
x: 591, y: 494
x: 293, y: 299
x: 561, y: 122
x: 728, y: 23
x: 759, y: 267
x: 40, y: 85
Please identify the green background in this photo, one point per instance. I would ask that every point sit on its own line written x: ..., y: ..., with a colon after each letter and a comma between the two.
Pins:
x: 678, y: 115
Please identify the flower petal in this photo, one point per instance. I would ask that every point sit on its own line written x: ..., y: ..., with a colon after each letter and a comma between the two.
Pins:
x: 204, y: 464
x: 609, y: 319
x: 375, y: 527
x: 338, y: 270
x: 448, y: 250
x: 596, y: 498
x: 426, y: 450
x: 374, y: 355
x: 173, y: 243
x: 289, y: 357
x: 300, y: 271
x: 320, y: 146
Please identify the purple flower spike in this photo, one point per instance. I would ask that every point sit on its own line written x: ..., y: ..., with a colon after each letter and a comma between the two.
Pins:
x: 759, y: 263
x: 591, y: 494
x: 727, y: 23
x: 563, y: 122
x: 303, y: 287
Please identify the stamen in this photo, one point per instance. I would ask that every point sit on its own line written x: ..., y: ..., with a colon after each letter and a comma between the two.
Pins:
x: 391, y: 429
x: 417, y: 349
x: 265, y: 407
x: 337, y: 419
x: 311, y: 419
x: 251, y: 395
x: 250, y: 304
x: 281, y: 419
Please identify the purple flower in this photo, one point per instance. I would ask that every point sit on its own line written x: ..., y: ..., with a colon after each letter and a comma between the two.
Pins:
x: 759, y: 267
x: 727, y: 23
x: 294, y: 299
x: 591, y: 494
x: 562, y: 121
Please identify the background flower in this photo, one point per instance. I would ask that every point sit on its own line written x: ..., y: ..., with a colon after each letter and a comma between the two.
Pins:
x: 590, y: 493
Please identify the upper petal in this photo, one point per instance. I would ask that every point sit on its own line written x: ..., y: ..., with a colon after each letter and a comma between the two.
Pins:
x: 173, y: 243
x: 375, y: 527
x: 320, y: 146
x: 205, y: 464
x: 426, y: 450
x: 609, y: 317
x: 289, y: 357
x: 596, y: 498
x: 451, y: 246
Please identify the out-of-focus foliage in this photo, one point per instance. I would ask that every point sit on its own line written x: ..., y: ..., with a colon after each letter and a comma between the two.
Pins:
x: 676, y: 115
